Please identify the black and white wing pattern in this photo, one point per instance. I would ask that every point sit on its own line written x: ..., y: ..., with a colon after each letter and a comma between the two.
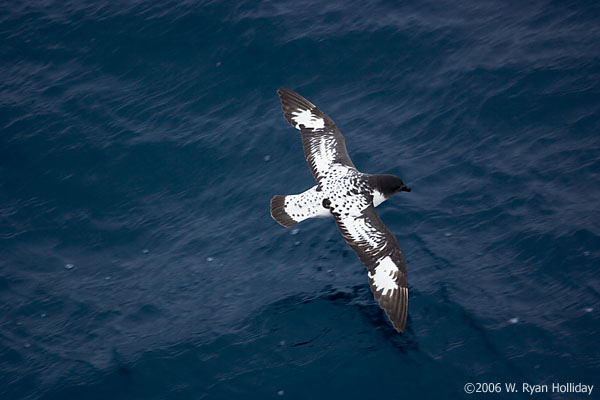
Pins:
x: 322, y: 141
x: 378, y: 249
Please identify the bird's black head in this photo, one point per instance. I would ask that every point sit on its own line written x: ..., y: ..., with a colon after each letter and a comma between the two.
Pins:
x: 388, y: 184
x: 399, y: 186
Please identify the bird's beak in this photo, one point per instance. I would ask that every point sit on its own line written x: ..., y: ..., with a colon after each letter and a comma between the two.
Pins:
x: 405, y: 189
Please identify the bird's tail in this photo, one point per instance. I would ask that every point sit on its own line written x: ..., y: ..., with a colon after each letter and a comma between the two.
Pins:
x: 293, y: 208
x: 278, y: 212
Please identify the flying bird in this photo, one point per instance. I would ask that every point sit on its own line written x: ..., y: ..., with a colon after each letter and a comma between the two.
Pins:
x: 350, y: 197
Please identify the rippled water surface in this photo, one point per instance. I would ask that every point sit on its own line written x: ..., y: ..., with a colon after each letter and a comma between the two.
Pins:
x: 141, y: 143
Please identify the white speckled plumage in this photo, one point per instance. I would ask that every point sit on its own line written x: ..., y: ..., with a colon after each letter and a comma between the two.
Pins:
x: 350, y: 197
x: 308, y: 204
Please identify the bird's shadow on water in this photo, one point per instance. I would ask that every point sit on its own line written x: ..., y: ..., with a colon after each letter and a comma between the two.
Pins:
x: 328, y: 318
x: 360, y: 298
x: 289, y: 334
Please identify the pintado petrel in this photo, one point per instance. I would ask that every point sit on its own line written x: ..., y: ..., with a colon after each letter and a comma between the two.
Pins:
x: 350, y: 197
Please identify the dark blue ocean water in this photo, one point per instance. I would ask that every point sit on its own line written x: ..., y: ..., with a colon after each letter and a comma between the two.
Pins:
x: 141, y: 143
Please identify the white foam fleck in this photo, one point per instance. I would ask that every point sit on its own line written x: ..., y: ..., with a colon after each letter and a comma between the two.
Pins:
x: 145, y: 251
x: 586, y: 253
x: 447, y: 234
x: 210, y: 259
x: 297, y: 243
x: 281, y: 393
x: 513, y: 320
x: 384, y: 276
x: 27, y: 345
x: 69, y: 266
x: 267, y: 157
x: 43, y: 315
x: 295, y: 231
x: 588, y: 309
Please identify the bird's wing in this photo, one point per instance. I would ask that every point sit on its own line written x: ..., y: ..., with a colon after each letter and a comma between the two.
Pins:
x: 378, y: 249
x: 322, y: 141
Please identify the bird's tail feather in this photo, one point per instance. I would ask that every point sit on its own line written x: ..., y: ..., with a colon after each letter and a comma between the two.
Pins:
x: 293, y: 208
x: 278, y: 212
